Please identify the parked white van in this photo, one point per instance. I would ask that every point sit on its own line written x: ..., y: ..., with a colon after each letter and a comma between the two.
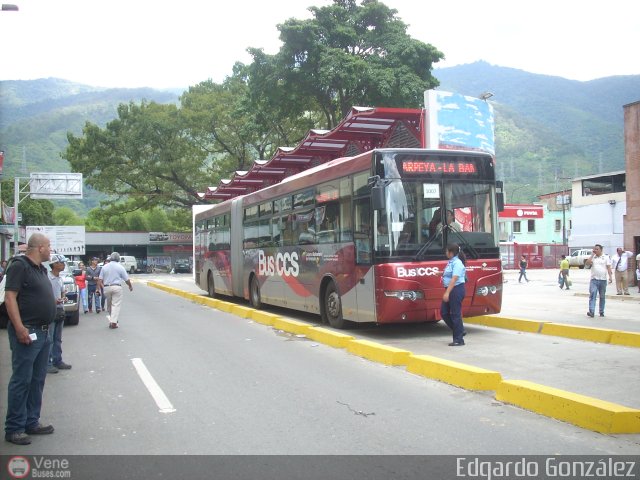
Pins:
x: 129, y: 263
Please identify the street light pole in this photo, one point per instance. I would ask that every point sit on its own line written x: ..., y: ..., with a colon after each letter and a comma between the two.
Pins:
x: 564, y: 209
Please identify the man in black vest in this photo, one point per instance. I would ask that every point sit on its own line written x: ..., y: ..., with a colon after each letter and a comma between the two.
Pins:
x: 31, y: 308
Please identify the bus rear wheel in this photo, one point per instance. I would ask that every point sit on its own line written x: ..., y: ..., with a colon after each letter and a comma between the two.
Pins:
x: 333, y: 307
x: 211, y: 291
x: 254, y: 293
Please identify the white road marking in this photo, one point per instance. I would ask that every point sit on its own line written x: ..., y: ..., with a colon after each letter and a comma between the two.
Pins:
x: 156, y: 392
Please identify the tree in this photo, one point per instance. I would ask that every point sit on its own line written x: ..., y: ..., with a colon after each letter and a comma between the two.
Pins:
x: 236, y: 127
x: 66, y: 216
x: 146, y: 156
x: 346, y: 55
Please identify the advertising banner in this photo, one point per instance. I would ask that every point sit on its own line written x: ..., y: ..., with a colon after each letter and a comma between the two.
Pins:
x: 67, y: 240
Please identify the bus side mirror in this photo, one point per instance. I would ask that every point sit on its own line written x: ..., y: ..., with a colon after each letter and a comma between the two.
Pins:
x: 378, y: 197
x: 500, y: 196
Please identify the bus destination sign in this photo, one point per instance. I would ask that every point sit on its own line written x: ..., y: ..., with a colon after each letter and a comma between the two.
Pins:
x: 440, y: 167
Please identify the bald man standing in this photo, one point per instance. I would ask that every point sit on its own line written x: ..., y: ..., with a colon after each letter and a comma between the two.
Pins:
x: 31, y: 308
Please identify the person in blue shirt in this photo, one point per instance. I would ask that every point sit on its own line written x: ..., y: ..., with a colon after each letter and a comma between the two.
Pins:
x: 453, y: 280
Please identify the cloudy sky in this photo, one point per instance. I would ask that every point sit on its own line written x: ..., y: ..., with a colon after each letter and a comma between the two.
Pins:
x: 162, y: 44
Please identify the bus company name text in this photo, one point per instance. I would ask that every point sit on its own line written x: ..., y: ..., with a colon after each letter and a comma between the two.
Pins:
x: 403, y: 272
x: 281, y: 264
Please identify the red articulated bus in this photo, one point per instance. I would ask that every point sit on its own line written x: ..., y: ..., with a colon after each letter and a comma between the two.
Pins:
x: 359, y: 239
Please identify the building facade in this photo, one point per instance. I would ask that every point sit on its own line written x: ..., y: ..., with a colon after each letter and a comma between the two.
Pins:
x: 632, y: 164
x: 599, y: 206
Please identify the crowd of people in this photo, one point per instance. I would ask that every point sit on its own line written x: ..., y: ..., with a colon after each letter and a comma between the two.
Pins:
x: 34, y: 305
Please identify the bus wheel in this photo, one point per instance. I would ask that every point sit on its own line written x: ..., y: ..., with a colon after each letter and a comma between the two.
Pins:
x: 254, y: 293
x: 210, y: 287
x: 333, y: 307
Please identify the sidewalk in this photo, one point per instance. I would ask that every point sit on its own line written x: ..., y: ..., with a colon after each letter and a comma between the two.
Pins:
x: 541, y: 299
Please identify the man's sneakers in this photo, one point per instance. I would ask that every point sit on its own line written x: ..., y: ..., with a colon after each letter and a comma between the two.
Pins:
x: 40, y: 429
x: 23, y: 438
x: 113, y: 325
x: 63, y: 366
x: 590, y: 314
x: 19, y: 438
x: 52, y: 369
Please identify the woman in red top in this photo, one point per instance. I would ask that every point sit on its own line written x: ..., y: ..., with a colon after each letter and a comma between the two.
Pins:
x: 81, y: 282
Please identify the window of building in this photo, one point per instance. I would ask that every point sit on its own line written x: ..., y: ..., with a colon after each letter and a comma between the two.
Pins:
x: 516, y: 226
x: 558, y: 225
x: 531, y: 226
x: 604, y: 184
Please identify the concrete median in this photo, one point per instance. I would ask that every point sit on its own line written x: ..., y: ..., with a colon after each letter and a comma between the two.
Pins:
x: 586, y: 412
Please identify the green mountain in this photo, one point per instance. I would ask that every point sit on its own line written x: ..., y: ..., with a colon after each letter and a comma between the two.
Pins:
x: 35, y: 116
x: 546, y: 126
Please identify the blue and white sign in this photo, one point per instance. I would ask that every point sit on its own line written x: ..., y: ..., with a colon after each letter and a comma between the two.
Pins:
x: 458, y: 122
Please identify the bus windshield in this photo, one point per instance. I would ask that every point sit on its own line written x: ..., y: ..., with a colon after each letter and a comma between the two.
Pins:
x: 421, y: 217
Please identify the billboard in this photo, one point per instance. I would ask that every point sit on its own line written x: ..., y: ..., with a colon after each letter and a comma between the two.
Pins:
x: 55, y: 185
x: 67, y: 240
x: 458, y: 122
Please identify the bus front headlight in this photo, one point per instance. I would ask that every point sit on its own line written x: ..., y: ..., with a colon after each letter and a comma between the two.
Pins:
x: 412, y: 295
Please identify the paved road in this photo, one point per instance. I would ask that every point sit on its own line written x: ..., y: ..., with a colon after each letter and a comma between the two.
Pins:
x: 602, y: 371
x: 238, y: 387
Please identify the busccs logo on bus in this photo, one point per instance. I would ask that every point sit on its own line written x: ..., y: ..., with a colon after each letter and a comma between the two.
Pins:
x: 281, y: 264
x: 402, y: 272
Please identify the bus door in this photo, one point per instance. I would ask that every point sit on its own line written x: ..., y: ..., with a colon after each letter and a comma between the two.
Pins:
x: 364, y: 277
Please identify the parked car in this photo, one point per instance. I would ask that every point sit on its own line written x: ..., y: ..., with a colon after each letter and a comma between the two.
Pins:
x: 129, y: 263
x: 182, y: 265
x: 72, y: 303
x: 577, y: 258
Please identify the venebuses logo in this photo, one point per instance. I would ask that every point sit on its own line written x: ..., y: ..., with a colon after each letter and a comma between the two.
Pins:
x: 282, y: 264
x: 18, y: 467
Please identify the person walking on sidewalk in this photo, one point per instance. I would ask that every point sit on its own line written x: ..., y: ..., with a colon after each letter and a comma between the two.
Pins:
x: 56, y: 264
x: 112, y: 276
x: 31, y: 307
x: 523, y: 269
x: 564, y: 272
x: 600, y: 267
x: 620, y: 264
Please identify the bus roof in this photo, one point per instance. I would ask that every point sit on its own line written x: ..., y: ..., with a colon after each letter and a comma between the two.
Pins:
x: 362, y: 130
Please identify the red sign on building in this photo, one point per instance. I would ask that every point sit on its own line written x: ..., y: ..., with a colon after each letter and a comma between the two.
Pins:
x: 522, y: 212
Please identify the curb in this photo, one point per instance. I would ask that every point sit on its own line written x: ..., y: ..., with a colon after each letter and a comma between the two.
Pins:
x: 586, y: 412
x: 378, y: 352
x: 519, y: 324
x: 575, y: 332
x: 454, y: 373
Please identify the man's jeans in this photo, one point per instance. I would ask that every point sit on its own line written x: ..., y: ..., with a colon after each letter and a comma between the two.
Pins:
x: 29, y: 363
x: 55, y: 336
x: 597, y: 287
x: 92, y: 293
